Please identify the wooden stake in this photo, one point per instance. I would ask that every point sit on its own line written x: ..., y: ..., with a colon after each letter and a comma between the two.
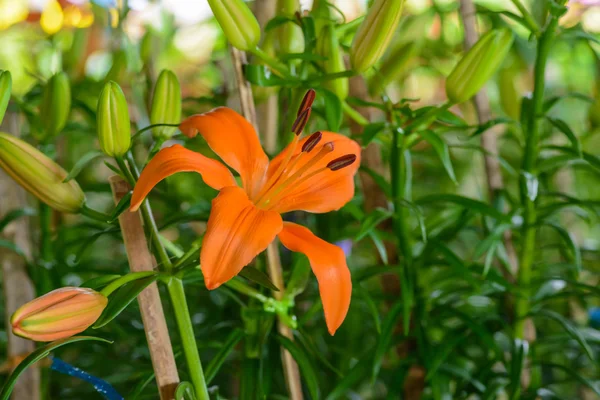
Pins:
x: 155, y: 325
x: 292, y: 373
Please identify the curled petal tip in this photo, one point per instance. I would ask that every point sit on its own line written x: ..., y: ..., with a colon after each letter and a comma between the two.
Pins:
x: 210, y: 284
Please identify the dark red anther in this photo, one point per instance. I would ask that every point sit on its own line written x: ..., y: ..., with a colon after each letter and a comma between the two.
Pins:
x: 307, y: 101
x: 311, y: 142
x: 341, y: 162
x: 301, y: 121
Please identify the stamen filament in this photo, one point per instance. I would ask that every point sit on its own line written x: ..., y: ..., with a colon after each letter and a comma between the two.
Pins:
x: 268, y: 196
x: 279, y: 170
x: 275, y: 198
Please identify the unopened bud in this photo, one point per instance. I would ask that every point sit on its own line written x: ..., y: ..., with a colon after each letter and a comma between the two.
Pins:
x: 56, y: 104
x: 166, y: 104
x: 39, y: 175
x: 112, y: 119
x: 328, y: 46
x: 374, y: 33
x: 478, y: 65
x: 238, y: 23
x: 59, y: 314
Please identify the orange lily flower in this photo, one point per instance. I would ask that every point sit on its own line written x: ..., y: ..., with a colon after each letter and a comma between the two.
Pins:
x: 314, y: 174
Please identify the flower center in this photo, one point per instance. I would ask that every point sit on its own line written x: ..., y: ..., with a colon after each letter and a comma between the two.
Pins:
x: 287, y: 177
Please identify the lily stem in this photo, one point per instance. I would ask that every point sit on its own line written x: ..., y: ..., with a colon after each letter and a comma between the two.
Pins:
x: 529, y: 163
x: 175, y: 289
x: 278, y: 67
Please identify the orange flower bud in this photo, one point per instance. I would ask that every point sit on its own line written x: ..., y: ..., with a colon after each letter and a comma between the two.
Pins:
x: 59, y: 314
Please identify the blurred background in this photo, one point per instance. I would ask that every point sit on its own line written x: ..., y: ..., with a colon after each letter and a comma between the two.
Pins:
x: 130, y: 42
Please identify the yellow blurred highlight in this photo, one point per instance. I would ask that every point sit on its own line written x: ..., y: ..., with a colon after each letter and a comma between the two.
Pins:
x: 52, y: 18
x: 114, y: 17
x: 12, y: 12
x: 78, y: 18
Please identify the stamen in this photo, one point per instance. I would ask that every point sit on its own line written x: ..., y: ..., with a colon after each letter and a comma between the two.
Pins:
x: 341, y: 162
x: 307, y: 101
x: 311, y: 142
x: 301, y: 121
x: 275, y: 190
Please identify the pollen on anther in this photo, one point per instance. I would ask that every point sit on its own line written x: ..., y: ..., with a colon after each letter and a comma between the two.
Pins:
x: 311, y: 142
x: 341, y: 162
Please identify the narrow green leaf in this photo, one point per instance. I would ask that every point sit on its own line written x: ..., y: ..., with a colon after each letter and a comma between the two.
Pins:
x: 385, y: 339
x: 83, y: 162
x: 564, y: 128
x: 371, y: 306
x: 308, y: 372
x: 99, y: 281
x: 466, y: 202
x: 348, y: 381
x: 12, y: 247
x: 257, y: 276
x: 225, y: 349
x: 369, y: 272
x: 443, y: 351
x: 493, y: 238
x: 569, y: 240
x: 379, y: 180
x: 333, y: 110
x: 380, y: 246
x: 122, y: 298
x: 370, y: 131
x: 261, y: 75
x: 16, y: 214
x: 551, y: 102
x: 371, y: 221
x: 37, y: 355
x: 569, y: 328
x: 569, y: 371
x: 121, y: 206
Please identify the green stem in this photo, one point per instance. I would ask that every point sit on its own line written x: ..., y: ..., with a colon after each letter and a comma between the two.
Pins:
x: 147, y: 128
x: 353, y: 114
x: 175, y: 288
x: 529, y: 162
x: 188, y: 339
x: 114, y: 285
x: 93, y: 214
x: 184, y: 258
x: 277, y: 66
x: 533, y: 26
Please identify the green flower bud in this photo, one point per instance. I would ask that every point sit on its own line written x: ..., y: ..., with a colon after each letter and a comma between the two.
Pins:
x: 56, y: 104
x: 393, y: 67
x: 329, y: 47
x: 5, y: 88
x: 290, y: 38
x: 374, y: 33
x: 112, y: 117
x: 238, y: 23
x: 39, y: 175
x: 166, y: 104
x: 478, y: 65
x: 509, y: 96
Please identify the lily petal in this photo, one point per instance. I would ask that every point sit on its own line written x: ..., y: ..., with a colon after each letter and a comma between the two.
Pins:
x: 237, y: 231
x: 327, y: 191
x: 234, y: 139
x: 175, y: 159
x: 329, y: 265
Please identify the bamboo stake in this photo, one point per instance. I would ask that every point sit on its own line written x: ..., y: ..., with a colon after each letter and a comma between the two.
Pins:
x: 292, y: 373
x: 18, y: 287
x: 153, y: 317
